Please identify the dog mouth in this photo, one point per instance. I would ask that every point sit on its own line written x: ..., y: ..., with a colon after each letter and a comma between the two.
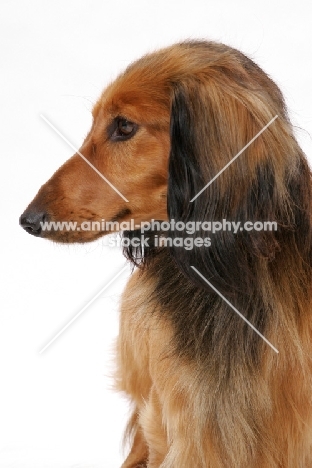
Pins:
x: 121, y: 215
x: 40, y: 223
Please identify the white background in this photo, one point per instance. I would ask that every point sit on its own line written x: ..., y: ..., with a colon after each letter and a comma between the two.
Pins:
x: 57, y: 409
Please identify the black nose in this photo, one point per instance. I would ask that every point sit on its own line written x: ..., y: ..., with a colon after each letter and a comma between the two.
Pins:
x: 32, y: 221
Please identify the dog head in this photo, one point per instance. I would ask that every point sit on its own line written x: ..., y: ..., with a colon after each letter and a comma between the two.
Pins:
x: 169, y: 125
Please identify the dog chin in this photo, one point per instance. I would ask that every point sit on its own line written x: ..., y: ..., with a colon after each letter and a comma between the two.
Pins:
x: 76, y: 237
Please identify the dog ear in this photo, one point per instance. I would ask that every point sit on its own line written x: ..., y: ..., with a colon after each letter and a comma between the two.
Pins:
x: 210, y: 125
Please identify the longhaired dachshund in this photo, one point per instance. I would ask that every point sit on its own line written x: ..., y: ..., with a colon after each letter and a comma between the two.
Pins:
x: 207, y: 389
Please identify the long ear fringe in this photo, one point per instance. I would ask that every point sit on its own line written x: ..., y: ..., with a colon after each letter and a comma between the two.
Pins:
x: 271, y: 189
x: 270, y: 181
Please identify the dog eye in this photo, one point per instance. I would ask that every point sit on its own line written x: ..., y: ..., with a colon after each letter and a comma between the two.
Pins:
x: 125, y: 127
x: 122, y: 129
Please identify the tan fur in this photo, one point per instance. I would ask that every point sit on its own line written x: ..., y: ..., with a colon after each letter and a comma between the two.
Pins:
x: 234, y: 404
x: 175, y: 410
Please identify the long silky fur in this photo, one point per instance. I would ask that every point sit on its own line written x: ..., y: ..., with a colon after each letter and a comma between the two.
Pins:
x: 265, y: 275
x: 206, y: 390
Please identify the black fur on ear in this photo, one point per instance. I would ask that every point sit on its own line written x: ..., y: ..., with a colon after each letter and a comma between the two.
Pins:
x: 209, y: 126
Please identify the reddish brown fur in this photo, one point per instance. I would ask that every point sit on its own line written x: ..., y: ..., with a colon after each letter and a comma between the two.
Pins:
x: 185, y: 413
